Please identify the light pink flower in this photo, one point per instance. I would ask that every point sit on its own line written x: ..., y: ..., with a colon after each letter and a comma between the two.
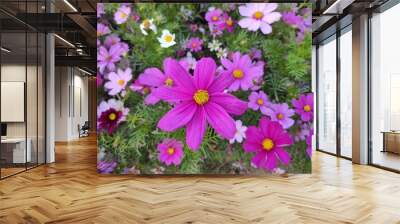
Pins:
x: 118, y: 81
x: 259, y: 16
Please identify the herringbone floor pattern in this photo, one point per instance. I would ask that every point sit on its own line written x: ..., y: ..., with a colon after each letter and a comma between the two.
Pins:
x: 70, y: 191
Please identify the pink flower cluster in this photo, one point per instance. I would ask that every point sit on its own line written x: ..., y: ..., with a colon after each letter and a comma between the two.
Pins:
x: 218, y: 21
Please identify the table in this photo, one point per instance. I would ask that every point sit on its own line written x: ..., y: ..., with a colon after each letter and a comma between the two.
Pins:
x: 391, y: 141
x: 16, y: 147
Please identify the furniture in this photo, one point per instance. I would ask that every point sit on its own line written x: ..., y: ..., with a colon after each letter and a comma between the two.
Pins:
x: 13, y: 150
x: 84, y: 130
x: 391, y: 141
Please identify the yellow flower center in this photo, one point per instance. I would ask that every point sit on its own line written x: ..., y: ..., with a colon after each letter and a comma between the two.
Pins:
x: 112, y: 116
x: 169, y: 82
x: 215, y: 18
x: 146, y: 24
x: 229, y: 22
x: 307, y: 108
x: 280, y: 116
x: 260, y: 102
x: 123, y: 15
x: 146, y: 90
x: 258, y: 15
x: 121, y: 82
x: 201, y: 97
x: 171, y: 151
x: 267, y: 144
x: 237, y: 73
x: 168, y: 38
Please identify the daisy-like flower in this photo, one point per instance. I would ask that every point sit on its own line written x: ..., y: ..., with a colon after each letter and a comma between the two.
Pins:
x: 167, y: 39
x: 241, y: 71
x: 146, y: 25
x: 259, y: 16
x: 282, y: 114
x: 214, y: 16
x: 267, y: 141
x: 200, y: 101
x: 215, y: 45
x: 194, y: 44
x: 102, y: 30
x: 259, y: 101
x: 304, y: 106
x: 170, y: 152
x: 155, y: 78
x: 227, y: 23
x: 145, y: 90
x: 108, y: 58
x: 240, y: 133
x: 222, y: 53
x: 255, y: 54
x: 110, y: 114
x: 122, y: 14
x: 111, y: 40
x: 118, y: 81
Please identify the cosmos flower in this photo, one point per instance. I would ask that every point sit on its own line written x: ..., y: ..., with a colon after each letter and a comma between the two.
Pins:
x: 104, y: 167
x: 259, y: 101
x: 100, y: 10
x: 108, y: 58
x: 118, y: 81
x: 112, y: 40
x: 194, y: 44
x: 255, y: 54
x: 102, y: 30
x: 240, y: 133
x: 304, y: 106
x: 267, y: 141
x: 227, y: 23
x: 147, y: 24
x: 110, y: 114
x: 214, y: 16
x: 167, y: 39
x: 292, y: 19
x: 146, y: 91
x: 201, y: 101
x: 259, y: 16
x: 309, y: 142
x: 282, y: 114
x: 241, y: 71
x: 170, y: 151
x: 122, y: 14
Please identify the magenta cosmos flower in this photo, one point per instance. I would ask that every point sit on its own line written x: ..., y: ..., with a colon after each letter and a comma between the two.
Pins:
x: 259, y: 101
x: 170, y: 152
x: 259, y: 16
x: 282, y: 114
x: 108, y: 58
x: 241, y: 71
x: 201, y: 101
x: 146, y: 91
x: 155, y: 78
x: 214, y: 16
x: 122, y: 14
x: 194, y: 44
x: 304, y: 106
x: 102, y: 29
x: 118, y: 81
x: 267, y: 142
x: 110, y: 114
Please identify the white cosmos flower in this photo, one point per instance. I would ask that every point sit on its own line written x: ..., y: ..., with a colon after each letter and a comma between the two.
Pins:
x: 215, y: 45
x: 240, y: 132
x: 167, y: 39
x: 222, y: 53
x: 148, y: 24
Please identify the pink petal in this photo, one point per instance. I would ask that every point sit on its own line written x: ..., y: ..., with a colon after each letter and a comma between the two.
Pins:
x: 266, y: 28
x: 204, y: 73
x: 283, y: 156
x: 231, y: 104
x: 269, y: 7
x: 271, y: 161
x: 221, y: 82
x: 196, y: 129
x: 250, y: 24
x: 245, y: 10
x: 244, y: 61
x: 151, y: 99
x: 226, y: 63
x: 172, y: 94
x: 178, y: 73
x: 272, y: 17
x: 220, y: 120
x: 177, y: 117
x: 152, y: 77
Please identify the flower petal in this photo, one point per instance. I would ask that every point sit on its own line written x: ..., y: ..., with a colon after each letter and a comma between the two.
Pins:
x: 204, y: 73
x: 152, y: 77
x: 221, y: 82
x: 151, y: 99
x: 266, y: 28
x: 230, y: 103
x: 220, y: 120
x: 272, y: 17
x: 178, y: 73
x: 196, y: 129
x: 269, y: 7
x: 271, y: 161
x: 282, y: 155
x: 172, y: 94
x: 180, y: 115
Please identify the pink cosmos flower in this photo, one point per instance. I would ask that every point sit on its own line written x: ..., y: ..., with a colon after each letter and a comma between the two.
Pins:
x: 111, y: 40
x: 102, y: 29
x: 110, y: 114
x: 155, y: 78
x: 145, y: 90
x: 267, y: 142
x: 122, y: 14
x: 241, y: 71
x: 282, y: 114
x: 259, y: 16
x: 100, y: 9
x: 259, y: 101
x: 118, y: 81
x: 194, y: 44
x: 255, y: 54
x: 302, y: 131
x: 99, y: 80
x: 108, y: 58
x: 304, y: 106
x: 201, y: 101
x: 227, y: 23
x: 214, y: 16
x: 170, y: 152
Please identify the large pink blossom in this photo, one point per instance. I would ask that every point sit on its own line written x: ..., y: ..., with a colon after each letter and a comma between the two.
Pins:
x: 259, y: 16
x: 201, y: 101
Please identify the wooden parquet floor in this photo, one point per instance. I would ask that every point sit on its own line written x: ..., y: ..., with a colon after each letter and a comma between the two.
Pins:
x: 70, y: 191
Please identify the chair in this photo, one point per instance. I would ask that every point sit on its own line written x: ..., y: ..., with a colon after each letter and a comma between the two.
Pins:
x: 84, y: 130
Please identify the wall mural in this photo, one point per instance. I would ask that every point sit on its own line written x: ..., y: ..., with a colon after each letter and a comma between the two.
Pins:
x: 204, y: 88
